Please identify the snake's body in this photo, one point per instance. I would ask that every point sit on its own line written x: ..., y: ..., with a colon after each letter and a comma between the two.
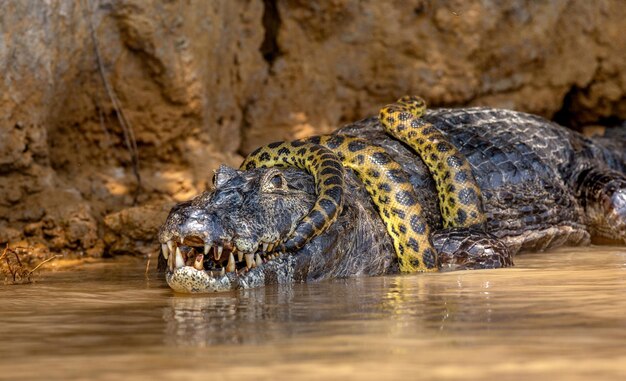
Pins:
x: 328, y: 173
x: 385, y: 180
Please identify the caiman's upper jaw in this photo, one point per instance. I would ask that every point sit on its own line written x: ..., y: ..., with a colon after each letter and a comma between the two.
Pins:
x: 214, y: 260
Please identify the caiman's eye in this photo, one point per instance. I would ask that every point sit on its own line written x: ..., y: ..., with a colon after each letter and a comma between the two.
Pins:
x: 274, y: 181
x: 277, y: 181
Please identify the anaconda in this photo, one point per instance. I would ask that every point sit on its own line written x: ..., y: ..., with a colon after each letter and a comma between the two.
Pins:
x: 542, y: 186
x: 459, y: 196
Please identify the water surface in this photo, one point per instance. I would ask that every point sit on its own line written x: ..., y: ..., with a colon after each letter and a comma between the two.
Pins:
x: 556, y: 315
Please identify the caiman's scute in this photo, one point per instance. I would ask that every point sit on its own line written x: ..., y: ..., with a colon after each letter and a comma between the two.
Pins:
x: 542, y: 186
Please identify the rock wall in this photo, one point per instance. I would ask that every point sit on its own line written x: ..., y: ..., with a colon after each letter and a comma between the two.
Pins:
x: 96, y: 95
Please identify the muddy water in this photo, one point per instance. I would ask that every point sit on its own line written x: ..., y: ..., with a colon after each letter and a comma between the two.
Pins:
x: 560, y: 315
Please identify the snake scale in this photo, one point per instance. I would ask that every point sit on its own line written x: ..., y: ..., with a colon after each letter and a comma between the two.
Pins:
x: 324, y: 157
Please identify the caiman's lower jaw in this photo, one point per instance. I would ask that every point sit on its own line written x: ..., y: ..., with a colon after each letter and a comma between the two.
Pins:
x: 194, y: 266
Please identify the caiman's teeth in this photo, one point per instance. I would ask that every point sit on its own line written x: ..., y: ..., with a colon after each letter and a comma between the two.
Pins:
x: 270, y: 247
x: 231, y: 263
x: 198, y: 263
x: 249, y: 260
x: 239, y: 256
x: 265, y: 247
x: 170, y: 245
x: 182, y: 240
x: 207, y: 248
x: 170, y: 262
x: 258, y: 260
x: 165, y: 250
x: 222, y: 272
x: 218, y: 253
x: 180, y: 262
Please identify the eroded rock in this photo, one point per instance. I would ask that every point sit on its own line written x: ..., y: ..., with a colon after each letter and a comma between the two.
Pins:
x: 195, y: 84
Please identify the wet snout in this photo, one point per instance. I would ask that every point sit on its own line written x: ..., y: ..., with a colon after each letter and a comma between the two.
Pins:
x: 201, y: 253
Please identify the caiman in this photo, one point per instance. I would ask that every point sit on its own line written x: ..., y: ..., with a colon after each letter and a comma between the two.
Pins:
x: 411, y: 190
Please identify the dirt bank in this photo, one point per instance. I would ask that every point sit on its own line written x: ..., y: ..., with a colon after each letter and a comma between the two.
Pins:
x: 96, y: 95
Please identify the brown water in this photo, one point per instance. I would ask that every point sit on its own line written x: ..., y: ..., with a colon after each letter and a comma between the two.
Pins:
x: 557, y: 315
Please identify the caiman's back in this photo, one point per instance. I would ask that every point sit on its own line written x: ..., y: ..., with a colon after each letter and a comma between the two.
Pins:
x: 529, y: 171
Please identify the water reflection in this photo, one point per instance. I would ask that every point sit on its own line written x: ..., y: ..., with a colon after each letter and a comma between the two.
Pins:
x: 390, y: 306
x: 216, y: 319
x: 549, y: 312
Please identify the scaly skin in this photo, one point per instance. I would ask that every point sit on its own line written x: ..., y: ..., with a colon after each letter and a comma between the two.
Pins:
x: 328, y: 172
x: 543, y: 186
x: 460, y: 200
x: 459, y: 196
x: 392, y: 193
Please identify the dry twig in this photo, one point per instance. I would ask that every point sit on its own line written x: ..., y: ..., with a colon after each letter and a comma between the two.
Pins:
x: 147, y: 266
x: 14, y: 270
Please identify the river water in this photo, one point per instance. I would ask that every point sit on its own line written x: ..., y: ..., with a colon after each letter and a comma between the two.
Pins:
x: 556, y: 315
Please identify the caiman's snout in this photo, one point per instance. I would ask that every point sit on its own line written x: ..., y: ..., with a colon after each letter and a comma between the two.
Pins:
x: 191, y: 226
x: 202, y: 256
x: 221, y: 238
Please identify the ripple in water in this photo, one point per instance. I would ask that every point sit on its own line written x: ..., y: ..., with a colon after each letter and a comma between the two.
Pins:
x: 559, y: 314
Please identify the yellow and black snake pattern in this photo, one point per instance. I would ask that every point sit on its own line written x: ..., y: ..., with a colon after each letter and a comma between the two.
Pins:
x: 328, y: 173
x: 385, y: 180
x: 394, y: 197
x: 460, y: 199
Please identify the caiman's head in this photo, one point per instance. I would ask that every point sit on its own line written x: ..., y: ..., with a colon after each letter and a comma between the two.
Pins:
x: 232, y: 234
x: 229, y: 238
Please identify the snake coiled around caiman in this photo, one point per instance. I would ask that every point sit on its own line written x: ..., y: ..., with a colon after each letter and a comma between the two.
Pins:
x: 385, y: 180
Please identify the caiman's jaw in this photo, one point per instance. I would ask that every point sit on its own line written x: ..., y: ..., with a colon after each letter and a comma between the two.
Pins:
x: 229, y: 237
x: 194, y: 265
